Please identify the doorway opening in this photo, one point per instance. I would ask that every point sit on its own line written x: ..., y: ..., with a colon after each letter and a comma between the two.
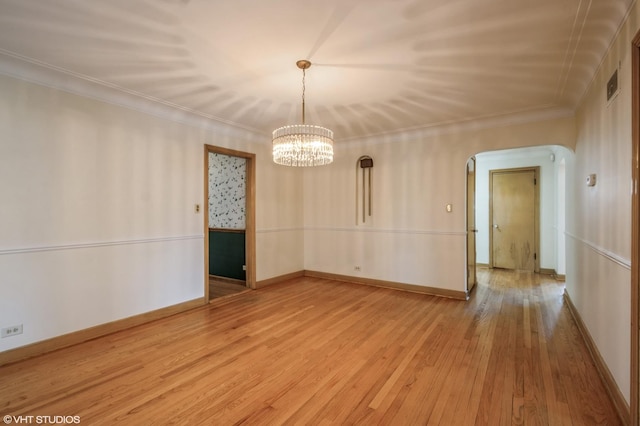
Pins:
x: 229, y: 222
x: 552, y: 162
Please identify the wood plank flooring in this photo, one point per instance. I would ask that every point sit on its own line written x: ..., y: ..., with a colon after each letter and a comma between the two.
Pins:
x: 220, y: 288
x: 312, y: 351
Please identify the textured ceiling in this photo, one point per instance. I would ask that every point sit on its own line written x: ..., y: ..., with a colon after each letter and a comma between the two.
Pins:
x: 379, y: 66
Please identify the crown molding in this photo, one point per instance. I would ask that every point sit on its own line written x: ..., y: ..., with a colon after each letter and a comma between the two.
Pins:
x: 37, y: 72
x: 518, y: 153
x: 33, y: 71
x: 543, y: 113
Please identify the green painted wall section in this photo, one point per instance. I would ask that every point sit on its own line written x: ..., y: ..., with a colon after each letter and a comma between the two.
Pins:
x: 227, y: 254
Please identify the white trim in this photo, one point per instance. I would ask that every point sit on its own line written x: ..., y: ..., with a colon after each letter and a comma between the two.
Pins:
x: 387, y: 231
x: 361, y: 230
x: 625, y: 263
x: 44, y: 74
x: 98, y: 244
x: 272, y: 230
x: 513, y: 118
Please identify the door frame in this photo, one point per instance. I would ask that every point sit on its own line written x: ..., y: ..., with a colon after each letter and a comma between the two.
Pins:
x: 635, y: 231
x: 536, y: 219
x: 471, y: 227
x: 250, y: 214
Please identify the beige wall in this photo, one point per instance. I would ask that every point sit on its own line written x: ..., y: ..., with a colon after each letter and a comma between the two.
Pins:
x: 599, y: 218
x: 410, y: 238
x: 279, y: 220
x: 98, y: 220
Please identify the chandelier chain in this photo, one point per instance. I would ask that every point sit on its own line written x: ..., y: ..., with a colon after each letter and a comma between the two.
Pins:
x: 303, y: 90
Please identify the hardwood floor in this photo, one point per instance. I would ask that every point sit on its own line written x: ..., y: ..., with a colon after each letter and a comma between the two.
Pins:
x: 312, y: 351
x: 220, y: 287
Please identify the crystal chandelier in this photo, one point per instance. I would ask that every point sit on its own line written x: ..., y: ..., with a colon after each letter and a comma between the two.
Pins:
x: 302, y: 145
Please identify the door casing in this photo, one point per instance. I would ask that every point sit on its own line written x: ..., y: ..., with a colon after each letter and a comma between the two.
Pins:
x: 635, y: 232
x: 471, y: 225
x: 250, y: 215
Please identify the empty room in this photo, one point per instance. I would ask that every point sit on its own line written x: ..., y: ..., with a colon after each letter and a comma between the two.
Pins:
x: 319, y: 212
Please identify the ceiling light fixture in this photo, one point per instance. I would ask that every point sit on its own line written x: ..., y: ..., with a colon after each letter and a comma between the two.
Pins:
x: 302, y: 145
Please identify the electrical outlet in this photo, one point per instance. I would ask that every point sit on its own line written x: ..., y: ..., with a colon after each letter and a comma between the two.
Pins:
x: 14, y: 330
x: 356, y: 268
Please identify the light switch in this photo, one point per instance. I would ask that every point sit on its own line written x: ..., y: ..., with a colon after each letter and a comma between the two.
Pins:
x: 197, y: 208
x: 449, y: 208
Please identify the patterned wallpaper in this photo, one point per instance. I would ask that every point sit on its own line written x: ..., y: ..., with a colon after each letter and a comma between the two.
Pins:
x: 227, y: 191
